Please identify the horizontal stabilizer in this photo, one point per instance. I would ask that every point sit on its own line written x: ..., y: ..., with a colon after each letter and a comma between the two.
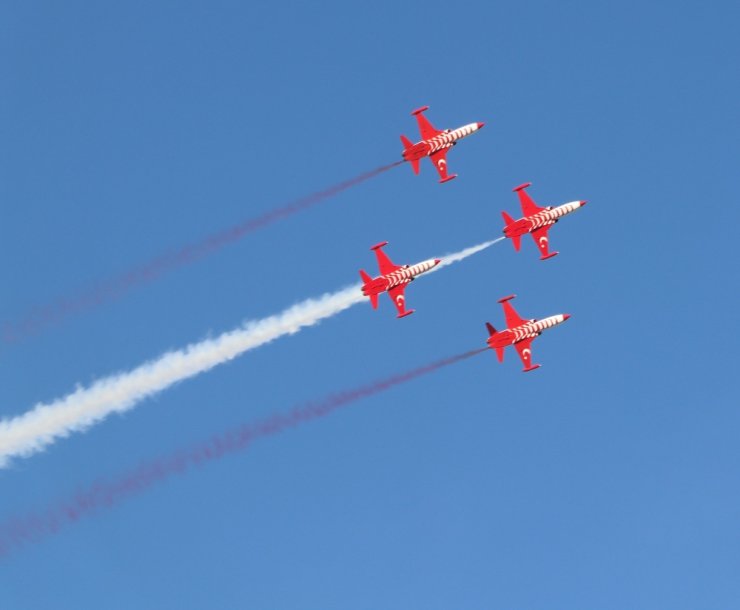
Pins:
x: 406, y: 143
x: 448, y: 178
x: 508, y: 220
x: 534, y: 367
x: 521, y: 186
x: 419, y: 110
x: 406, y: 313
x: 544, y: 258
x: 378, y: 246
x: 515, y: 239
x: 374, y: 295
x: 511, y: 296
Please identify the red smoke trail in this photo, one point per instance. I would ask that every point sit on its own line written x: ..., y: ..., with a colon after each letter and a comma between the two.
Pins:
x: 115, y: 288
x: 14, y: 533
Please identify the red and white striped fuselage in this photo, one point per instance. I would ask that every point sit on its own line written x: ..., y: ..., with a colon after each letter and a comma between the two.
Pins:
x: 400, y: 276
x: 528, y: 330
x: 520, y: 333
x: 434, y: 144
x: 445, y: 139
x: 548, y: 216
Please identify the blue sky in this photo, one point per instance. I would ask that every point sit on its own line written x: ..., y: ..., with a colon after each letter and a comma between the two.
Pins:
x: 607, y: 478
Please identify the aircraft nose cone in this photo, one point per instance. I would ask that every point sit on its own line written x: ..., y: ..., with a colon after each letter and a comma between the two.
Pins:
x: 480, y: 125
x: 566, y: 316
x: 584, y: 203
x: 437, y: 261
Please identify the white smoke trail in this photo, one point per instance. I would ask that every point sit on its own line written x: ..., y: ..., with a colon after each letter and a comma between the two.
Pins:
x: 32, y: 432
x: 448, y: 259
x: 42, y: 425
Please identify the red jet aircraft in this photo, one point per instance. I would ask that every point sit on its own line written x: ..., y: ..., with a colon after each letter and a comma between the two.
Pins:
x: 520, y: 333
x: 434, y: 144
x: 393, y: 279
x: 536, y: 221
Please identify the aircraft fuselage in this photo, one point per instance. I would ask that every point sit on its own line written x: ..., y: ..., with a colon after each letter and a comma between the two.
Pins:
x: 404, y: 275
x: 446, y: 139
x: 528, y: 330
x: 548, y: 216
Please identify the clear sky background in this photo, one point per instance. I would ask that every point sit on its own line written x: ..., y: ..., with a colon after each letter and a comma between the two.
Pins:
x: 606, y: 479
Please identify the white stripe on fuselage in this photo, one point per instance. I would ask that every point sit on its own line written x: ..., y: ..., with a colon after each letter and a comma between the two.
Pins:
x: 406, y: 274
x: 529, y: 330
x: 550, y: 216
x: 448, y: 138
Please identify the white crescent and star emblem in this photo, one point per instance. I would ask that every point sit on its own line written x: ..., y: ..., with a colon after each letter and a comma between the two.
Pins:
x: 526, y: 353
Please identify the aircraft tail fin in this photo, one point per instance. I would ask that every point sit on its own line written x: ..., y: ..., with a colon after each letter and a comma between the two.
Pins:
x: 515, y: 239
x: 374, y: 295
x: 406, y: 142
x: 499, y: 350
x: 406, y: 145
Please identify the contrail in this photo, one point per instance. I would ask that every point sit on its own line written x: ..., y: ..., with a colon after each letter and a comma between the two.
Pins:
x: 26, y: 434
x: 116, y: 287
x: 14, y: 533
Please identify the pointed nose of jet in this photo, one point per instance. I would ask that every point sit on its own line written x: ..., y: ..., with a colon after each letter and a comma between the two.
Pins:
x: 480, y: 125
x: 437, y: 261
x: 583, y: 203
x: 566, y: 316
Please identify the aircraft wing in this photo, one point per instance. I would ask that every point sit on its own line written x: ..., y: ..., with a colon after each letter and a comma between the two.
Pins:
x: 399, y: 300
x: 426, y: 129
x: 385, y: 264
x: 439, y: 159
x: 524, y: 348
x: 529, y: 207
x: 540, y: 238
x: 512, y: 317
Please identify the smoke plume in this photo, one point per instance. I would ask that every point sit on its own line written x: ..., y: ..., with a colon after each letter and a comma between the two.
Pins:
x: 117, y: 287
x: 26, y: 434
x: 17, y: 532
